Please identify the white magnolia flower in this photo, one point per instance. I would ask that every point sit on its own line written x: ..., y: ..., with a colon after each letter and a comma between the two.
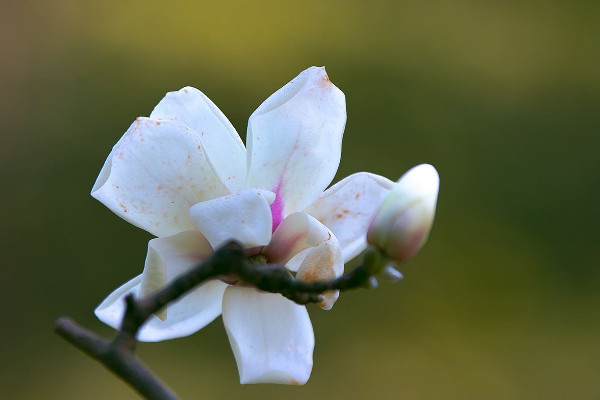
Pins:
x: 184, y: 175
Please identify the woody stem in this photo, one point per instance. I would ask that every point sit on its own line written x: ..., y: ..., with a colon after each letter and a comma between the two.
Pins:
x: 117, y: 355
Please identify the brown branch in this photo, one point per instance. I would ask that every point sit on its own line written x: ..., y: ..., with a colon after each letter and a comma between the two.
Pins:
x: 118, y: 355
x: 121, y: 361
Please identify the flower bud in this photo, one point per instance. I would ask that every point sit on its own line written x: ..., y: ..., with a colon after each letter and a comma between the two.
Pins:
x: 402, y: 224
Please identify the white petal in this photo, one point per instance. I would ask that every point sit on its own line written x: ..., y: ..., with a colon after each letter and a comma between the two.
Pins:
x: 111, y: 310
x: 243, y: 216
x: 294, y: 263
x: 222, y: 143
x: 348, y: 207
x: 294, y: 141
x: 169, y: 257
x: 297, y: 232
x: 154, y: 277
x: 271, y: 337
x: 154, y: 174
x: 323, y: 262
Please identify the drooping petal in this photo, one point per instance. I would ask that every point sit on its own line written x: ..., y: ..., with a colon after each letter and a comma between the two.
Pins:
x: 271, y: 337
x: 299, y: 231
x: 168, y: 258
x: 294, y: 141
x: 182, y: 321
x: 222, y: 143
x: 154, y: 174
x: 348, y: 207
x: 244, y: 216
x: 323, y: 262
x: 154, y: 277
x: 112, y: 308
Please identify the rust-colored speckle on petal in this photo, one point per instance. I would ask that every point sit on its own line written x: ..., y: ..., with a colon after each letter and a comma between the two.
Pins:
x: 357, y: 196
x: 311, y: 275
x: 295, y: 382
x: 199, y: 147
x: 185, y: 91
x: 159, y: 187
x: 123, y: 207
x: 325, y: 82
x: 158, y: 123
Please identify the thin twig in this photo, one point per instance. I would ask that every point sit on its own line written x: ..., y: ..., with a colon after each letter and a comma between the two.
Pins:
x: 118, y: 355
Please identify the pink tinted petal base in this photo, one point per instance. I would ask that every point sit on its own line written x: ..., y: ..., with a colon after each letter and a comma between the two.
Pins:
x: 277, y: 208
x: 297, y: 232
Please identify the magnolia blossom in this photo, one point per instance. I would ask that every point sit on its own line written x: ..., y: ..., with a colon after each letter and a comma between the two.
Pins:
x: 184, y: 175
x: 402, y: 224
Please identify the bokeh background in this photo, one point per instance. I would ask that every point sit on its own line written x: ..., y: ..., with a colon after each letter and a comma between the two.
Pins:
x: 503, y: 97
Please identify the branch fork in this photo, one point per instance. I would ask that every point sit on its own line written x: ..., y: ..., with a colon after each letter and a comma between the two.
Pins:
x: 118, y: 354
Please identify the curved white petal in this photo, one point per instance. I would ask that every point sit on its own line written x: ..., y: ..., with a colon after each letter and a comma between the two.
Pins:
x: 182, y: 320
x: 323, y: 262
x: 348, y: 207
x: 297, y: 232
x: 244, y: 216
x: 111, y: 310
x: 153, y: 175
x: 168, y: 258
x: 295, y: 140
x: 271, y: 337
x: 294, y: 263
x: 222, y: 143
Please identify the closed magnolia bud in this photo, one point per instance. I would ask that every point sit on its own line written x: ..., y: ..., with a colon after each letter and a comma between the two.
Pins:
x: 402, y: 224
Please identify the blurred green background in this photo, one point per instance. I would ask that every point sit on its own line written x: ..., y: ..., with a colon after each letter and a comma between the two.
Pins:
x: 503, y: 97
